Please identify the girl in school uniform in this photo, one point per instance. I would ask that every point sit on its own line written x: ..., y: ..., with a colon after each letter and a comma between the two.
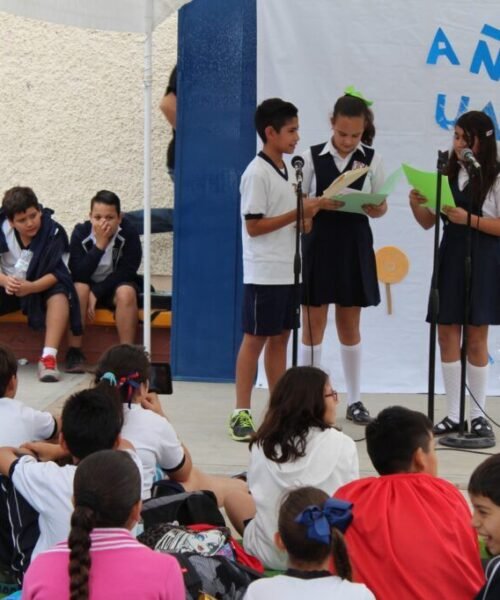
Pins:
x: 338, y: 258
x: 310, y: 527
x: 101, y: 558
x: 297, y: 444
x: 473, y: 130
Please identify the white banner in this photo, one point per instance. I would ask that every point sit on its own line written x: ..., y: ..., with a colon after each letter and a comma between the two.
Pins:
x: 423, y: 63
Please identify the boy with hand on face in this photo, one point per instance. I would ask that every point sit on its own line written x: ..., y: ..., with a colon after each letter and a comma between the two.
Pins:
x: 105, y: 254
x: 34, y: 277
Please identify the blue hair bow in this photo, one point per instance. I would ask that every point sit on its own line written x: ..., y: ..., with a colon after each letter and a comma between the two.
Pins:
x: 110, y: 378
x: 320, y: 520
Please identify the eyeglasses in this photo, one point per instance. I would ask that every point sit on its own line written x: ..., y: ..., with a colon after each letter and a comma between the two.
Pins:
x: 333, y: 394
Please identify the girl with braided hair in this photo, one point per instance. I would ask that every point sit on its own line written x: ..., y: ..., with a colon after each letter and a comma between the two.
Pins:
x: 125, y: 370
x: 310, y: 527
x: 101, y: 558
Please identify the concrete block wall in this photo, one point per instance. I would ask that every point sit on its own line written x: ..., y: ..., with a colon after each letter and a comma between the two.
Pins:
x: 71, y: 117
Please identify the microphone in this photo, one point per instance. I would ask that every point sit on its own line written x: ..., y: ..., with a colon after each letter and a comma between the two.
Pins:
x: 467, y: 156
x: 297, y: 164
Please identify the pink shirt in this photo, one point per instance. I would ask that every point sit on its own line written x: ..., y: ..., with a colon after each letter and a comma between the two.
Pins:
x: 121, y: 568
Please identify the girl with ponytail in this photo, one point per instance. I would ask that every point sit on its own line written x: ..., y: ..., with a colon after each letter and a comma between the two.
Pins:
x: 310, y: 527
x: 338, y: 257
x: 124, y: 370
x: 101, y: 558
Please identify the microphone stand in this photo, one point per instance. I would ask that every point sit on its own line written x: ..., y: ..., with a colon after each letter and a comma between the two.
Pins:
x: 442, y: 163
x: 463, y: 439
x: 297, y: 265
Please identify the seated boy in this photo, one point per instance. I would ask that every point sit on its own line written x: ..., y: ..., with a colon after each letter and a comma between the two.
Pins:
x: 105, y: 254
x: 484, y: 492
x: 19, y: 423
x: 411, y: 536
x: 33, y: 275
x: 39, y: 493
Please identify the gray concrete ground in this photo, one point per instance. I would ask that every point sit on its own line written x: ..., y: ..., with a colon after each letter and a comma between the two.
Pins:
x: 199, y: 413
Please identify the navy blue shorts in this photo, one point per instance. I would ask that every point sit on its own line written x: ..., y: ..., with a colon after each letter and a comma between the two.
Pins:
x: 269, y: 309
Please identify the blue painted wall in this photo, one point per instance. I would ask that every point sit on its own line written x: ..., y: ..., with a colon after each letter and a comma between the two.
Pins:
x: 216, y: 104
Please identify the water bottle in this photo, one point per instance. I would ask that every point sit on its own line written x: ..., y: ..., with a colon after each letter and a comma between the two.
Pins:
x: 22, y: 264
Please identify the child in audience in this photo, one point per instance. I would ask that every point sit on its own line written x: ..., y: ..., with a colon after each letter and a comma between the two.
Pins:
x: 484, y: 492
x: 33, y: 275
x: 297, y: 444
x: 101, y: 558
x: 126, y: 370
x: 411, y: 535
x: 40, y: 492
x: 105, y: 254
x: 19, y: 423
x: 310, y: 527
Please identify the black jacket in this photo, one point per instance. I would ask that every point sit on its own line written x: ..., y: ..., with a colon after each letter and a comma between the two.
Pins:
x: 48, y: 247
x: 84, y: 257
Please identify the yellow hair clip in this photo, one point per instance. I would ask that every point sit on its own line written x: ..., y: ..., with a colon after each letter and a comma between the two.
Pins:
x: 352, y: 91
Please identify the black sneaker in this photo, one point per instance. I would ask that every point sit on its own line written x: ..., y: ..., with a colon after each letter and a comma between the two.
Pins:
x: 75, y: 361
x: 480, y: 427
x: 358, y: 414
x: 241, y: 427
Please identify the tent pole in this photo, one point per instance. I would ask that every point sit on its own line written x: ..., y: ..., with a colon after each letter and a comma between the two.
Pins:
x: 148, y: 77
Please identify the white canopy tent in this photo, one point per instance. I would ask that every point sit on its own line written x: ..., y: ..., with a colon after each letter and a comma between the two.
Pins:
x: 135, y: 16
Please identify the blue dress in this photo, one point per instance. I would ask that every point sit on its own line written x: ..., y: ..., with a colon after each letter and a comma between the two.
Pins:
x: 337, y: 255
x: 485, y: 270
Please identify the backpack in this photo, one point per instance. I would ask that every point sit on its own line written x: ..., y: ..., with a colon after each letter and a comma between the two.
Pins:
x: 184, y: 508
x: 216, y: 577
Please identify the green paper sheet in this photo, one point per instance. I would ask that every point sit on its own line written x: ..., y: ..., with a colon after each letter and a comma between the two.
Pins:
x: 425, y: 183
x: 354, y: 199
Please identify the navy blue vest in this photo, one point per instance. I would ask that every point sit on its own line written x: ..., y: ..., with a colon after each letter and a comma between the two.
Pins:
x: 326, y: 170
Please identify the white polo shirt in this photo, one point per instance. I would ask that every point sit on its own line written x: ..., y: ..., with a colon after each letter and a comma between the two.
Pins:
x: 154, y: 440
x: 48, y: 488
x: 268, y: 258
x: 319, y: 588
x: 20, y: 423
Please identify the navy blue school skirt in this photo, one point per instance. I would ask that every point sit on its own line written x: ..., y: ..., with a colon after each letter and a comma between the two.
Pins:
x: 485, y: 281
x: 338, y: 261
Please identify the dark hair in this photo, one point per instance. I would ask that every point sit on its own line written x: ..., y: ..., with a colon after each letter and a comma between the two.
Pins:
x: 91, y: 421
x: 476, y: 125
x: 8, y: 368
x: 127, y: 363
x: 106, y: 487
x: 18, y: 200
x: 297, y: 404
x: 294, y: 535
x: 351, y: 106
x: 273, y: 112
x: 394, y: 436
x: 485, y: 480
x: 106, y: 197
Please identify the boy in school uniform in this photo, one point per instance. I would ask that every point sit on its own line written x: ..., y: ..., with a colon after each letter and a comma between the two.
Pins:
x: 268, y: 215
x: 20, y: 423
x: 411, y: 534
x: 36, y: 496
x: 105, y: 254
x: 34, y: 277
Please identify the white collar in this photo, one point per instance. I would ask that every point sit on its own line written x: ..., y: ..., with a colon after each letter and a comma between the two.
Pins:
x: 330, y: 148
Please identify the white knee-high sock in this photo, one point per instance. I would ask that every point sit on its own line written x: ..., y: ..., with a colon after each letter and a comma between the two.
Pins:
x: 309, y: 355
x: 351, y: 364
x: 477, y: 378
x: 451, y: 380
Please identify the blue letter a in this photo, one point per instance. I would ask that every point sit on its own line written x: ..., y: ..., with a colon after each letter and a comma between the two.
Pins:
x: 441, y: 46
